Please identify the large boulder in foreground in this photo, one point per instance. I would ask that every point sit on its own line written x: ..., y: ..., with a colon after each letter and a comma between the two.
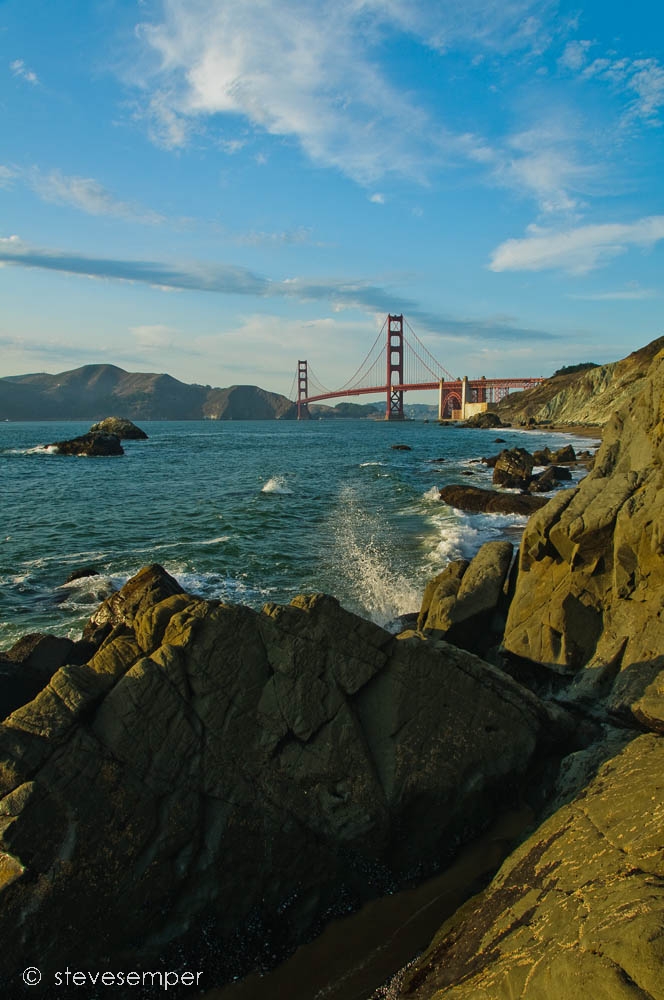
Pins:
x: 121, y: 427
x: 590, y: 586
x: 577, y: 910
x: 216, y: 775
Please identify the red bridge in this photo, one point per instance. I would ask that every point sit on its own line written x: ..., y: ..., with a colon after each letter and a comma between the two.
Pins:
x: 397, y: 363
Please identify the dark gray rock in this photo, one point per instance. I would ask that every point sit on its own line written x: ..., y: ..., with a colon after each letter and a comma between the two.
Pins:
x: 89, y: 445
x: 474, y: 499
x: 213, y: 770
x: 513, y: 469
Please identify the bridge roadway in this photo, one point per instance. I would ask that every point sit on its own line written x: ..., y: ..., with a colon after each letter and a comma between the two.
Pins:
x: 484, y: 389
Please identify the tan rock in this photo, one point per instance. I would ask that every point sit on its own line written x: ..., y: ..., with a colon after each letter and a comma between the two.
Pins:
x: 590, y: 588
x: 577, y: 910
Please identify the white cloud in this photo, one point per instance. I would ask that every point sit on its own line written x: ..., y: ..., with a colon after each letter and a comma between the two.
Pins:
x: 643, y: 78
x: 541, y: 163
x: 154, y: 337
x: 311, y: 72
x: 7, y: 176
x: 85, y: 194
x: 574, y: 54
x: 647, y: 81
x: 576, y: 250
x: 377, y: 198
x: 228, y: 279
x: 20, y: 70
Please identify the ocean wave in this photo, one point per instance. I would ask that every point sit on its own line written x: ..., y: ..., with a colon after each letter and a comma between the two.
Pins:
x: 83, y: 595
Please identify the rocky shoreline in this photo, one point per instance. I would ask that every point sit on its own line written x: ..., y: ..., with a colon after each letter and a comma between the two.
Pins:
x: 198, y: 785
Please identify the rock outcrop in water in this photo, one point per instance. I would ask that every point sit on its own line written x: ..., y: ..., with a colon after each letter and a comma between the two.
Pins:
x: 217, y: 775
x: 124, y: 429
x: 90, y: 445
x: 474, y: 499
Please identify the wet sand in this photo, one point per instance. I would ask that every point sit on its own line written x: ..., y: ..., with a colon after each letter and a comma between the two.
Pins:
x: 356, y: 955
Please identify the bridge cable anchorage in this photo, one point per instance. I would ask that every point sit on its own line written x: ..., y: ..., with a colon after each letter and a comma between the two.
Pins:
x: 437, y: 365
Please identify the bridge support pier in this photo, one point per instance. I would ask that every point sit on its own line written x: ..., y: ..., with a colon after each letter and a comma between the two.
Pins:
x: 302, y: 391
x: 394, y: 407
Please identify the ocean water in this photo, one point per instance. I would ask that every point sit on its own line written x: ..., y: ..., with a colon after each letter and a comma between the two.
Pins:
x: 245, y: 512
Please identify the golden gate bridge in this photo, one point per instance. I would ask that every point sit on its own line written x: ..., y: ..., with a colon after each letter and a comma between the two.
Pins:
x: 397, y: 362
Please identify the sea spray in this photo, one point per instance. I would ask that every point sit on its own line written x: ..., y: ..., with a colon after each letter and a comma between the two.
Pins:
x: 365, y: 553
x: 277, y: 484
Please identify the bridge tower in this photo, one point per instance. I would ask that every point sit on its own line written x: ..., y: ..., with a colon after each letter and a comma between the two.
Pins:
x: 394, y: 407
x: 302, y: 391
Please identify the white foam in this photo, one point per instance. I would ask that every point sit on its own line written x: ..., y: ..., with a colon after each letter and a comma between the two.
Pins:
x: 459, y: 535
x: 40, y: 449
x: 364, y: 465
x: 214, y: 541
x: 432, y: 494
x: 277, y: 484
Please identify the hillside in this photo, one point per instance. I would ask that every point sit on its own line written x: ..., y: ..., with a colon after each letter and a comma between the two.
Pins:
x: 581, y: 397
x: 95, y: 391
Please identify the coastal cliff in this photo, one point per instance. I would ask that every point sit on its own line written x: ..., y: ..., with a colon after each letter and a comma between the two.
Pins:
x: 204, y: 785
x: 590, y: 396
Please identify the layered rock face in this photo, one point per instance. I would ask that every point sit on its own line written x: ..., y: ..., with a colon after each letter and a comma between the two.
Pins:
x: 587, y: 397
x: 218, y: 779
x: 590, y: 588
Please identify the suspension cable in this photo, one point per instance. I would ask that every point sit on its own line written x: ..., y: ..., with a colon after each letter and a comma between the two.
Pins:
x: 429, y: 355
x: 360, y: 373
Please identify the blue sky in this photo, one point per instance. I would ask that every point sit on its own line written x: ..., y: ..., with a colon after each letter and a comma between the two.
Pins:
x: 218, y: 188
